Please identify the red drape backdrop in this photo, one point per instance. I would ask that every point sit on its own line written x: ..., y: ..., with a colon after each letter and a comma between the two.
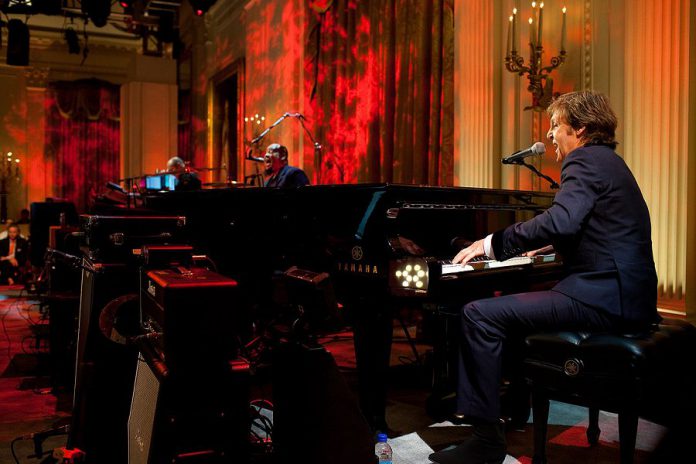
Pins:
x: 82, y: 137
x: 379, y: 79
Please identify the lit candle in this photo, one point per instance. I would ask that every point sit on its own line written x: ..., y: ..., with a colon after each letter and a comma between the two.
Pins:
x: 563, y: 30
x: 514, y: 30
x: 541, y: 12
x: 531, y: 33
x: 509, y: 37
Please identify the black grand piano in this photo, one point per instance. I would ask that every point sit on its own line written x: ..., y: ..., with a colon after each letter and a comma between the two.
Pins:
x: 382, y: 244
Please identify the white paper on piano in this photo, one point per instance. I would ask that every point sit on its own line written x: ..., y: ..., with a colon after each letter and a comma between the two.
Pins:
x: 449, y: 268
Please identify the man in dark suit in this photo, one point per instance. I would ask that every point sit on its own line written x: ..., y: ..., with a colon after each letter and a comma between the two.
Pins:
x: 280, y: 173
x: 186, y: 179
x: 600, y: 225
x: 13, y: 255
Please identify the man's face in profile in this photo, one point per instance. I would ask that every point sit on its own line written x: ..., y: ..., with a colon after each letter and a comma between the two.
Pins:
x: 272, y: 162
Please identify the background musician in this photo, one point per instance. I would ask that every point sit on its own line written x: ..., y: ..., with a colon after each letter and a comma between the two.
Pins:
x: 13, y: 255
x: 185, y: 178
x: 600, y: 224
x: 281, y: 173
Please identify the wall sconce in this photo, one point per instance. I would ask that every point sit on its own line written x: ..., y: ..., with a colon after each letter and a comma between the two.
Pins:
x: 540, y: 81
x: 8, y: 171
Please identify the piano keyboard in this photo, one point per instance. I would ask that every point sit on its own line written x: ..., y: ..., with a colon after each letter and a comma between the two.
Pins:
x: 478, y: 264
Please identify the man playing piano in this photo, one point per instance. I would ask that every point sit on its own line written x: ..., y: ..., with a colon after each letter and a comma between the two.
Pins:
x: 600, y: 225
x: 280, y: 173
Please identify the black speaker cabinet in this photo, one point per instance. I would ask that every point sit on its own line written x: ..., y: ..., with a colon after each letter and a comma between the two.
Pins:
x: 315, y: 414
x: 105, y: 369
x: 189, y: 421
x: 191, y: 395
x: 17, y: 43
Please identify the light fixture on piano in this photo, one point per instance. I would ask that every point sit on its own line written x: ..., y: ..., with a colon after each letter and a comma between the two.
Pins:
x: 410, y: 274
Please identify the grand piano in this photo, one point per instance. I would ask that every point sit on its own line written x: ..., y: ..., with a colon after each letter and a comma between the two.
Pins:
x: 366, y: 237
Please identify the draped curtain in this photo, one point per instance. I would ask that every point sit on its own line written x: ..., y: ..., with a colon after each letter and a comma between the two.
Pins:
x: 379, y: 89
x: 82, y: 137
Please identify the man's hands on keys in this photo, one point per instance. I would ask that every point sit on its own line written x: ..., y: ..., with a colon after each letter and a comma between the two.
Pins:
x: 467, y: 254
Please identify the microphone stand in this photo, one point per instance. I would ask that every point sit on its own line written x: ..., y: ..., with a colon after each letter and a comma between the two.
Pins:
x: 554, y: 184
x: 317, y: 146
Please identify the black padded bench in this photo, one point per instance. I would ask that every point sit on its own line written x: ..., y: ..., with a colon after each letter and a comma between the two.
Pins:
x: 648, y: 374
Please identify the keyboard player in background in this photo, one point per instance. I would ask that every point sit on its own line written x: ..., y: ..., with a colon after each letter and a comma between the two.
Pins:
x: 599, y: 223
x: 186, y: 179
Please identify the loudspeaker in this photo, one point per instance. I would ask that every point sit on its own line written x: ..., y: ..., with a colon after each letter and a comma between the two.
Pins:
x: 316, y: 417
x: 17, y: 43
x: 104, y: 370
x: 141, y: 420
x: 188, y: 420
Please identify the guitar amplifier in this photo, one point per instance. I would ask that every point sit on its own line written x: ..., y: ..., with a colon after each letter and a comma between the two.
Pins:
x: 191, y: 314
x: 191, y: 393
x: 119, y: 239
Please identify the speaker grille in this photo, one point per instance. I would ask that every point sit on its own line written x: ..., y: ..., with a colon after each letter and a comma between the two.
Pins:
x: 142, y: 413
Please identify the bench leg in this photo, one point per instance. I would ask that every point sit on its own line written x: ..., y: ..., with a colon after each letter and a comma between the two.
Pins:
x: 628, y: 428
x: 540, y: 408
x: 593, y: 427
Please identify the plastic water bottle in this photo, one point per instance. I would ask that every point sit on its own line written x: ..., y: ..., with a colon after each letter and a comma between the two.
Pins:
x: 383, y: 450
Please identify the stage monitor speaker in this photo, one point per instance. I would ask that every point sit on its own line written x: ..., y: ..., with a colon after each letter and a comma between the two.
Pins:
x: 188, y: 421
x: 315, y: 414
x: 17, y: 43
x: 104, y: 369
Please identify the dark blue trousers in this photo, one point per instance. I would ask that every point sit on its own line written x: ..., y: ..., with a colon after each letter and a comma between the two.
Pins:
x: 487, y: 324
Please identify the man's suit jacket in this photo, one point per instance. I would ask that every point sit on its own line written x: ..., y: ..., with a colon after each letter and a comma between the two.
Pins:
x: 288, y: 177
x: 600, y: 224
x: 21, y: 249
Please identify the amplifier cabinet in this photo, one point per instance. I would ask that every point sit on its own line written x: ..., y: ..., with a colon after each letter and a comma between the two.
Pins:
x: 121, y: 238
x: 202, y: 405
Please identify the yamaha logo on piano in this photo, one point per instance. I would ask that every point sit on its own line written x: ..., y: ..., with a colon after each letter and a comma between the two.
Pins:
x: 356, y: 253
x: 358, y: 268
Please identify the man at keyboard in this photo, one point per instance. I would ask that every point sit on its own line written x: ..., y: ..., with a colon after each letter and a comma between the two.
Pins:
x: 600, y: 225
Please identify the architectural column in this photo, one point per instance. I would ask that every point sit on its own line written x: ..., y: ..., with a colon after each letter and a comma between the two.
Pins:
x: 148, y: 116
x: 37, y: 168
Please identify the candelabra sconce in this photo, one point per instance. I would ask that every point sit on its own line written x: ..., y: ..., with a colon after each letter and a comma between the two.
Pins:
x: 539, y: 76
x: 255, y: 121
x: 9, y: 171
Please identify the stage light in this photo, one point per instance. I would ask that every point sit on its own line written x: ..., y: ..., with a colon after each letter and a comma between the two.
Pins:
x: 200, y: 7
x: 17, y: 43
x: 97, y: 10
x: 72, y: 40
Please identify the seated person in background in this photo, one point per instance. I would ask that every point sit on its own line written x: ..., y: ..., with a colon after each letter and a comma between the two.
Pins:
x: 24, y: 217
x: 185, y: 179
x: 281, y: 173
x: 13, y: 255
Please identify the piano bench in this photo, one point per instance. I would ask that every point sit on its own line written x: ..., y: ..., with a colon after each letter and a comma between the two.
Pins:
x: 646, y: 374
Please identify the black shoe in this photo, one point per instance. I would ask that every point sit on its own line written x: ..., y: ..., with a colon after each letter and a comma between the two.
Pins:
x: 485, y: 446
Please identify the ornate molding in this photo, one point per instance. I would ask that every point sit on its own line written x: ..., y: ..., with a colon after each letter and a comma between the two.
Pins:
x: 37, y: 76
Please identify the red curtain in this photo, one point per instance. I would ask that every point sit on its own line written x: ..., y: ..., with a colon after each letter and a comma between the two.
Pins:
x: 82, y: 137
x: 379, y: 86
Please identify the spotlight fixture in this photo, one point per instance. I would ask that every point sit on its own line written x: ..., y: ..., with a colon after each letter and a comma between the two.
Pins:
x: 72, y: 40
x: 17, y: 43
x: 200, y: 7
x: 97, y: 10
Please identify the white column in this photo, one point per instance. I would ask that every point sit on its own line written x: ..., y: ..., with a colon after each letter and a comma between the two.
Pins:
x: 148, y: 116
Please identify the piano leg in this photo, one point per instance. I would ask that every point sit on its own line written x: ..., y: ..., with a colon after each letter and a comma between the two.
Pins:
x: 372, y: 336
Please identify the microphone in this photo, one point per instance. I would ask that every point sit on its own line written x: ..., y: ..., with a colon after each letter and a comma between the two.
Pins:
x: 537, y: 149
